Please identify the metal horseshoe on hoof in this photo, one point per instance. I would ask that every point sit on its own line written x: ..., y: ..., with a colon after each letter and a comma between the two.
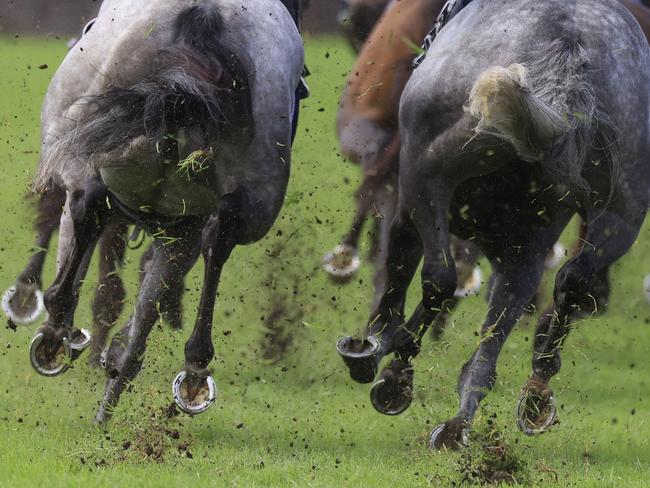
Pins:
x: 360, y: 356
x: 389, y: 401
x: 80, y: 341
x: 342, y: 262
x: 31, y: 315
x: 548, y: 414
x: 57, y: 365
x: 192, y: 407
x: 439, y: 429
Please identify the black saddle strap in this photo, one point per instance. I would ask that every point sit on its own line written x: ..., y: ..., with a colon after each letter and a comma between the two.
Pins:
x: 448, y: 12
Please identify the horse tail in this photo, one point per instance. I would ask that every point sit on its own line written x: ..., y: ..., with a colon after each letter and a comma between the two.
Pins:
x: 199, y: 89
x: 548, y: 111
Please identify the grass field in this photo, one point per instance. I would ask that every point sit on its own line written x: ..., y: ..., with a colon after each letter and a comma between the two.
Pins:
x: 300, y: 421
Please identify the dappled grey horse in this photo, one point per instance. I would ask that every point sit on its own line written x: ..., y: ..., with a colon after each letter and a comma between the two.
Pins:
x: 522, y: 114
x: 22, y: 303
x: 175, y: 115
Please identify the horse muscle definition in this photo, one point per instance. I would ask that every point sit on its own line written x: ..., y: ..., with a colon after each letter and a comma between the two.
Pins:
x: 184, y: 130
x: 507, y: 134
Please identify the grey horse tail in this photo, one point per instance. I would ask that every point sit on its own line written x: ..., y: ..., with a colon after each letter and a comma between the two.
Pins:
x: 548, y: 111
x: 198, y: 85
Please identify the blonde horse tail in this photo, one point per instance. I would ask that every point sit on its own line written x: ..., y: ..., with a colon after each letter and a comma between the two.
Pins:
x: 547, y: 110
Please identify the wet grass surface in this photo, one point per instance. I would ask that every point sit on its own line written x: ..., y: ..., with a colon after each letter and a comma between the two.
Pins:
x: 287, y: 413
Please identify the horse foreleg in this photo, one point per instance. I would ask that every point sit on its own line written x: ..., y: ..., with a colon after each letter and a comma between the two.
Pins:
x: 171, y: 260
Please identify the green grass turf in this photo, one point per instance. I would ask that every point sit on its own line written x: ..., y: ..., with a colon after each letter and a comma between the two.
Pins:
x: 300, y: 421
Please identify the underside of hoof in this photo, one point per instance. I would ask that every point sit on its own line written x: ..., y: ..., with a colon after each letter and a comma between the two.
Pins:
x: 451, y: 435
x: 52, y: 351
x: 342, y: 262
x: 536, y: 410
x: 361, y: 356
x: 50, y: 357
x: 194, y: 395
x: 393, y: 393
x: 472, y: 286
x: 23, y: 303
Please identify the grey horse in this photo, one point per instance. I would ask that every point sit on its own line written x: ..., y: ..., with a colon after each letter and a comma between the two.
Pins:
x: 177, y: 116
x: 523, y: 114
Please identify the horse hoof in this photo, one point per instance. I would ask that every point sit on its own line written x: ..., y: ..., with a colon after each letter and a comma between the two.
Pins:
x: 472, y: 286
x: 393, y: 393
x: 342, y: 262
x: 535, y: 412
x: 449, y: 436
x: 80, y: 341
x: 361, y: 356
x: 47, y: 359
x: 23, y: 303
x: 193, y: 401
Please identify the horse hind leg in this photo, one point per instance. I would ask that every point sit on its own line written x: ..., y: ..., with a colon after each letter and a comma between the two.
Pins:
x: 609, y: 236
x: 23, y: 302
x: 392, y: 393
x: 171, y: 306
x: 469, y: 278
x: 124, y: 357
x: 516, y: 280
x: 386, y: 207
x: 342, y: 262
x: 194, y: 388
x: 110, y: 292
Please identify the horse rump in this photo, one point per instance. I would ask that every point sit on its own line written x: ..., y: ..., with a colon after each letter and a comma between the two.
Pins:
x: 547, y: 109
x: 200, y: 84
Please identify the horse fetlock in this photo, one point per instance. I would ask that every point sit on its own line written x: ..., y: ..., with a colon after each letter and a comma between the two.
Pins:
x: 198, y: 355
x: 438, y: 288
x: 546, y: 364
x: 361, y: 356
x: 393, y: 393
